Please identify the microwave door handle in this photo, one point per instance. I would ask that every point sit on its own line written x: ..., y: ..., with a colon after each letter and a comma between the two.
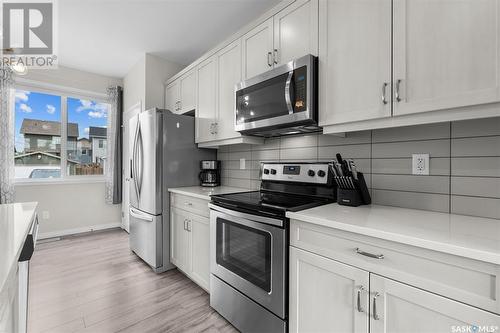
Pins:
x: 288, y: 93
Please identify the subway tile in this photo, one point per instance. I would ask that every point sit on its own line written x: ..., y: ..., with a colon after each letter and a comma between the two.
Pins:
x: 436, y: 148
x: 309, y: 153
x: 477, y: 166
x: 476, y: 186
x: 236, y: 156
x: 300, y: 141
x: 255, y: 174
x: 266, y: 155
x: 271, y: 143
x: 349, y: 139
x: 474, y: 206
x: 426, y: 184
x: 412, y: 133
x: 485, y: 146
x: 243, y: 174
x: 476, y: 127
x: 347, y: 151
x: 231, y: 165
x: 234, y: 182
x: 403, y: 166
x: 240, y: 147
x: 222, y: 156
x: 254, y: 185
x: 253, y: 165
x: 223, y: 149
x: 414, y: 200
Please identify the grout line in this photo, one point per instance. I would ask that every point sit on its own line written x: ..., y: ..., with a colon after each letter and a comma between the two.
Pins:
x: 415, y: 192
x: 449, y: 181
x: 473, y: 196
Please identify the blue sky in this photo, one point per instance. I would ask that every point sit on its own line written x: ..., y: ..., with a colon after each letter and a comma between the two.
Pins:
x: 42, y: 106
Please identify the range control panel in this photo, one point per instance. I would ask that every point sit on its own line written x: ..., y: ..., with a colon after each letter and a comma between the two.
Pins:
x: 295, y: 172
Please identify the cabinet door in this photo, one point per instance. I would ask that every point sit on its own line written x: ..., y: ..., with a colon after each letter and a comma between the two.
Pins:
x: 206, y: 110
x: 229, y: 74
x: 172, y: 96
x: 257, y: 46
x: 354, y: 60
x: 324, y: 295
x: 296, y: 31
x: 179, y: 240
x: 200, y: 250
x: 399, y: 308
x: 446, y: 54
x: 188, y: 91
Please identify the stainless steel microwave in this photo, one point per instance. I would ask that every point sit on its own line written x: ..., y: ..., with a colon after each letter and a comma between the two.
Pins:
x: 281, y: 101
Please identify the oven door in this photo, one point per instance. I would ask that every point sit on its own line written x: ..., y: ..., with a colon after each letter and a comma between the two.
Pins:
x: 250, y: 255
x: 282, y: 97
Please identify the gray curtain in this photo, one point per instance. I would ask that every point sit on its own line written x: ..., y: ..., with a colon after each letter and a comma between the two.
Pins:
x: 114, y: 147
x: 6, y: 137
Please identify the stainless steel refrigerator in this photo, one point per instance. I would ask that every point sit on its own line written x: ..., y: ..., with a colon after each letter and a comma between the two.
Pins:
x: 163, y: 155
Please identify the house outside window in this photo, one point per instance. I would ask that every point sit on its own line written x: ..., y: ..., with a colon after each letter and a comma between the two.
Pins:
x: 41, y: 152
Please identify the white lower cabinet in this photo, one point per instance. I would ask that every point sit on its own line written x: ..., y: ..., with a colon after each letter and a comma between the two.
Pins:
x: 326, y: 295
x: 190, y: 240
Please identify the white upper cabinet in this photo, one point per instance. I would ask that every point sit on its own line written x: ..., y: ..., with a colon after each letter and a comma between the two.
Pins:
x: 257, y: 47
x: 229, y: 74
x: 296, y: 31
x: 398, y: 307
x: 326, y: 295
x: 206, y: 108
x: 354, y: 60
x: 446, y: 54
x: 172, y: 95
x: 187, y: 91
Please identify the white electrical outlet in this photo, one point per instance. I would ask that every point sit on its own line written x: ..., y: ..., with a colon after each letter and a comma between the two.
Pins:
x: 242, y: 163
x: 420, y: 164
x: 45, y: 215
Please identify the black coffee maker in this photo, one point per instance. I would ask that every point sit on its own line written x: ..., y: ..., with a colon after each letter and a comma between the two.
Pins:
x: 210, y: 173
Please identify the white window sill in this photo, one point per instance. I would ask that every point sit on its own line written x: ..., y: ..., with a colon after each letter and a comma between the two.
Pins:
x: 60, y: 181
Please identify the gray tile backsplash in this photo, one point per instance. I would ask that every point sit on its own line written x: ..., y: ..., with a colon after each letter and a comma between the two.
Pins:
x: 464, y: 165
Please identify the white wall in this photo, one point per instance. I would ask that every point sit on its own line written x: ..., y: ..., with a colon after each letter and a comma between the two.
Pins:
x: 72, y: 207
x: 144, y: 82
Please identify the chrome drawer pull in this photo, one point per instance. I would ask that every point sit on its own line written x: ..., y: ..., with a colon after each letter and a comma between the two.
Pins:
x: 368, y: 254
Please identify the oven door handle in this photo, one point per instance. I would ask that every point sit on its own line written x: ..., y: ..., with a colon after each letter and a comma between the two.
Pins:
x: 256, y: 218
x: 288, y: 92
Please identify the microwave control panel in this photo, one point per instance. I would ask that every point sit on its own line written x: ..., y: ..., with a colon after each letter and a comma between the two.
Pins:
x: 300, y: 90
x: 316, y: 173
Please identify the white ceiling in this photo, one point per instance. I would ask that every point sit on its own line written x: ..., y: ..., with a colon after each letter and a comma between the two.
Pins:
x: 109, y: 36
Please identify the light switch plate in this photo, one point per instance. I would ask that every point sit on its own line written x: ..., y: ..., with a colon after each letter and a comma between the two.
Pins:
x: 420, y: 164
x: 242, y: 163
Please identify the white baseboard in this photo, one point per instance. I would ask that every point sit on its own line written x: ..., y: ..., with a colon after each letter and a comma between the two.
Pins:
x: 74, y: 231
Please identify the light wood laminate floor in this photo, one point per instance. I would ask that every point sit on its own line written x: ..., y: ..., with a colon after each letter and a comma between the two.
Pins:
x: 93, y: 283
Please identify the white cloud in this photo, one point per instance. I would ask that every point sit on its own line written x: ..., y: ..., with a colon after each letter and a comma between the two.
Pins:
x: 95, y: 110
x: 51, y: 109
x: 21, y: 96
x: 97, y: 114
x: 87, y: 130
x: 25, y: 108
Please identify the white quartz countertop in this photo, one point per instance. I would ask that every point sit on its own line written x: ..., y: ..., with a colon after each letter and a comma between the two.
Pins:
x: 205, y: 192
x: 15, y: 223
x: 466, y: 236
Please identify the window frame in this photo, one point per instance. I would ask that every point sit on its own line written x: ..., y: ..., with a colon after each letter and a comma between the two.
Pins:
x: 64, y: 93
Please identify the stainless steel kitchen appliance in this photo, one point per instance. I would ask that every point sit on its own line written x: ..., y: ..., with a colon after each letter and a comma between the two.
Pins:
x: 210, y: 173
x: 163, y: 155
x: 281, y: 101
x: 249, y: 239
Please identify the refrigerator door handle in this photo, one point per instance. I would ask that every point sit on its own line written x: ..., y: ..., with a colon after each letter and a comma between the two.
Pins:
x: 140, y: 151
x: 134, y: 161
x: 141, y: 216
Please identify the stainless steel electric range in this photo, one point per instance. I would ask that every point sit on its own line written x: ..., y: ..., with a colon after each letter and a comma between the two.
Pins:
x: 249, y: 239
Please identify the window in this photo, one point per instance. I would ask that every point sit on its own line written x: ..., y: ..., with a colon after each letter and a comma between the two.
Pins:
x: 87, y: 127
x: 40, y: 151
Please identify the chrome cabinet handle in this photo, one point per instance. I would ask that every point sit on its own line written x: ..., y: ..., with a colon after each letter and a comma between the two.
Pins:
x: 375, y: 314
x: 358, y: 301
x: 185, y: 222
x: 275, y: 56
x: 188, y: 225
x: 384, y: 86
x: 269, y: 61
x: 180, y: 105
x: 368, y: 254
x: 187, y: 203
x: 398, y: 97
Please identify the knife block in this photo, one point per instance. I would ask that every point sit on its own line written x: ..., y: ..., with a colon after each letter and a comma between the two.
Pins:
x: 357, y: 196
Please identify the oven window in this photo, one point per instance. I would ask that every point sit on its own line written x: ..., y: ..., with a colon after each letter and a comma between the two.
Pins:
x: 245, y: 251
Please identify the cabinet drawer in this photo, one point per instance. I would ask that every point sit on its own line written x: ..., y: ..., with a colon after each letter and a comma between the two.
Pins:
x: 190, y: 204
x: 470, y: 281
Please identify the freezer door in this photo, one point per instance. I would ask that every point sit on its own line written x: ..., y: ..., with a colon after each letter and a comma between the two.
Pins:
x: 147, y: 162
x: 146, y: 237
